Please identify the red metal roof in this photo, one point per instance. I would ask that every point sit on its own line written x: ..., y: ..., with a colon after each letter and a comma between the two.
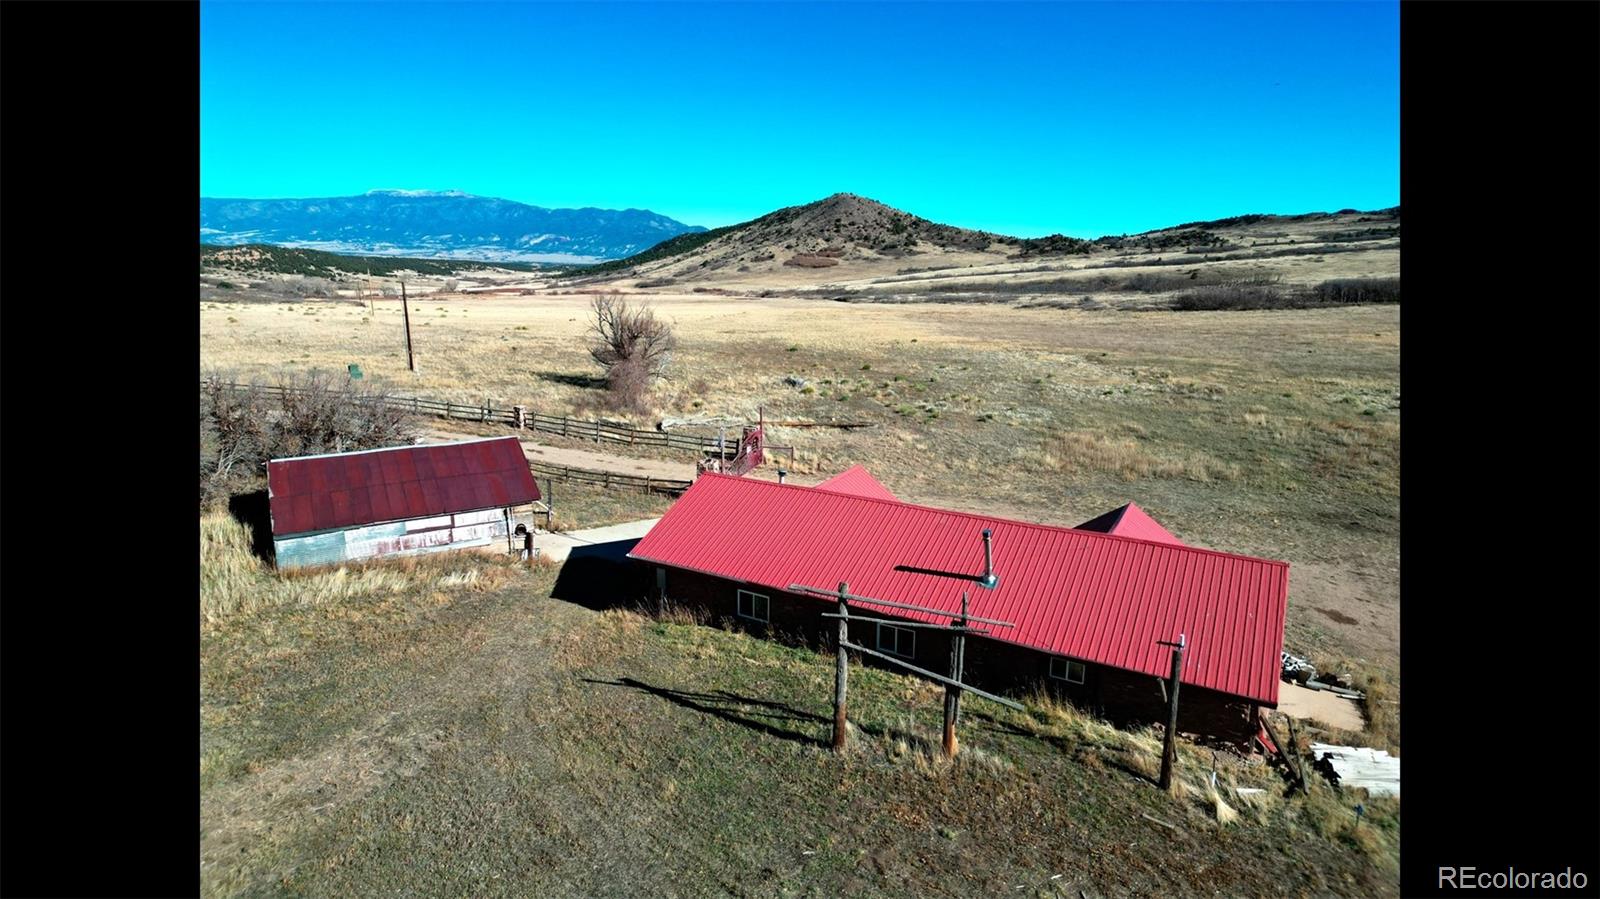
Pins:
x: 1130, y: 521
x: 340, y: 490
x: 857, y: 481
x: 1095, y: 597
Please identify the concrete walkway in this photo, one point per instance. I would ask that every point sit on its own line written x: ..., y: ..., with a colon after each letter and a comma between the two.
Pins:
x: 559, y: 546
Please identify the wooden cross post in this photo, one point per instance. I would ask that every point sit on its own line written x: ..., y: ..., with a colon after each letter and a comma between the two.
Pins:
x: 841, y: 671
x: 952, y: 694
x: 1169, y: 748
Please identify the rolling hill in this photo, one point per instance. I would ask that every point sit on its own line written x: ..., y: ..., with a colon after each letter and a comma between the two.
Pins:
x: 848, y: 237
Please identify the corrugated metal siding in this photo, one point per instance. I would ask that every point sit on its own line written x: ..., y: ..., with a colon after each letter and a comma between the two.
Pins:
x: 1095, y: 597
x: 857, y: 481
x: 319, y: 493
x: 390, y: 539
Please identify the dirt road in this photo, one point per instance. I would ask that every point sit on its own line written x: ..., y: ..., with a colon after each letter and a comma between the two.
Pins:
x: 592, y: 460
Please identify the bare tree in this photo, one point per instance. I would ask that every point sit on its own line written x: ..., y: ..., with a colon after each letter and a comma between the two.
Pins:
x: 632, y: 344
x: 239, y: 429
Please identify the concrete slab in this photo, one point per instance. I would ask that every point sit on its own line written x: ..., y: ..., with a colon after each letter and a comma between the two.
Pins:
x: 1321, y: 705
x: 559, y: 546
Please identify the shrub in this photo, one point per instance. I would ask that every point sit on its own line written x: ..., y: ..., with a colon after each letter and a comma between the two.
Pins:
x: 240, y: 431
x: 1352, y: 291
x: 1234, y: 296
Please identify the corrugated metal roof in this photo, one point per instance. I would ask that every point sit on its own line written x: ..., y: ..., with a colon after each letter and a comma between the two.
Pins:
x: 857, y: 481
x: 1096, y: 597
x: 1130, y: 521
x: 340, y: 490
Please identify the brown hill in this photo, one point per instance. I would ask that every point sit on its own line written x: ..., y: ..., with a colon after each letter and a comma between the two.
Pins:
x: 836, y: 231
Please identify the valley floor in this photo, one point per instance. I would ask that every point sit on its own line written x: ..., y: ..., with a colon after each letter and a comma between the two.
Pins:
x: 1270, y: 433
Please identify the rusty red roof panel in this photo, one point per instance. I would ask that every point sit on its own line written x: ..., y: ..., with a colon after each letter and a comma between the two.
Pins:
x: 340, y: 490
x: 858, y: 481
x: 1100, y: 598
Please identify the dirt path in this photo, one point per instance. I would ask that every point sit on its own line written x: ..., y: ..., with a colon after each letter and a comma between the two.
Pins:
x: 592, y: 460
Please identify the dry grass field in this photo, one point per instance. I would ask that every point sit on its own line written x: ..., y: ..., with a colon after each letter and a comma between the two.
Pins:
x: 1274, y: 433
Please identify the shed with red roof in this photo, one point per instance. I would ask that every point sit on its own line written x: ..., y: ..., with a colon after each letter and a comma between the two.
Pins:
x: 342, y: 507
x: 1090, y: 607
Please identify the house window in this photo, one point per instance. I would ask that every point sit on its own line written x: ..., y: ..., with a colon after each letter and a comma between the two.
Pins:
x: 754, y: 606
x: 1067, y: 670
x: 900, y: 641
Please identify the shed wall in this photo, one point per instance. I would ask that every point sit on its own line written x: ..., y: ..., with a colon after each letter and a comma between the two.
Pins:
x: 395, y: 538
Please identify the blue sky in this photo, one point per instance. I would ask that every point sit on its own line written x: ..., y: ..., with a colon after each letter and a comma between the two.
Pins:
x: 1027, y: 119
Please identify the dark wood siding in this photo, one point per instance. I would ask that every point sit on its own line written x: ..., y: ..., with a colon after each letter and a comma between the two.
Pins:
x: 1120, y: 696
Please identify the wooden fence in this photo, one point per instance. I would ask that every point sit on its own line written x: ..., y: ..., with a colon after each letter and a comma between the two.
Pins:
x: 610, y: 480
x: 520, y: 417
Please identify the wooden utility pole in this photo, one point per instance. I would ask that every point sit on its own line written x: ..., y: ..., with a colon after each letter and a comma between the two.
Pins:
x: 841, y: 671
x: 952, y: 694
x: 405, y: 307
x: 1169, y: 748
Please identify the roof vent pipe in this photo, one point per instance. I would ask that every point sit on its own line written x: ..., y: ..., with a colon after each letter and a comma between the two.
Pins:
x: 990, y: 579
x: 781, y: 473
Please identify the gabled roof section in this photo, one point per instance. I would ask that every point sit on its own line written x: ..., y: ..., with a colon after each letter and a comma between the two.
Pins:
x: 1090, y: 596
x: 1130, y: 521
x: 341, y: 490
x: 857, y: 481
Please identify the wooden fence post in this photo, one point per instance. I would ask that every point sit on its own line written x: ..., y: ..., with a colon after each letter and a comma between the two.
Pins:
x: 1293, y: 752
x: 841, y: 671
x: 952, y: 695
x: 1169, y: 748
x: 519, y: 415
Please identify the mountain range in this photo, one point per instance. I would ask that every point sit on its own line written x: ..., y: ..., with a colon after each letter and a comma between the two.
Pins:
x: 437, y: 224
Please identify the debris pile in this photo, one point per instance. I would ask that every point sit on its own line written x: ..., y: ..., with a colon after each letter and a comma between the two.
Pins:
x: 1297, y: 669
x: 1373, y: 770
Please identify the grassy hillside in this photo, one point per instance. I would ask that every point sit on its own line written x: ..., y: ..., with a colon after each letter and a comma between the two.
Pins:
x: 443, y: 726
x: 672, y: 246
x: 269, y: 259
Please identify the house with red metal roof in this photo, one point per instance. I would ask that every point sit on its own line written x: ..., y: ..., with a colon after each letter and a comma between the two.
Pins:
x: 1091, y: 607
x: 405, y: 500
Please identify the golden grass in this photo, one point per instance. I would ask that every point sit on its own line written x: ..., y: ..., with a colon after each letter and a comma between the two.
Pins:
x: 1085, y: 453
x: 1048, y: 415
x: 233, y: 580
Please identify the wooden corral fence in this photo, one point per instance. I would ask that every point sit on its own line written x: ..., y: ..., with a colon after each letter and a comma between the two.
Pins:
x: 520, y: 417
x: 610, y: 480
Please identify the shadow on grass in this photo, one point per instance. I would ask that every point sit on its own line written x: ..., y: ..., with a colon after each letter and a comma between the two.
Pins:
x: 732, y: 707
x: 600, y: 576
x: 572, y: 380
x: 254, y: 512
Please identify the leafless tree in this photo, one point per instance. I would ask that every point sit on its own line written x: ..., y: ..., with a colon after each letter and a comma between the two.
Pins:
x: 632, y: 344
x: 240, y: 428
